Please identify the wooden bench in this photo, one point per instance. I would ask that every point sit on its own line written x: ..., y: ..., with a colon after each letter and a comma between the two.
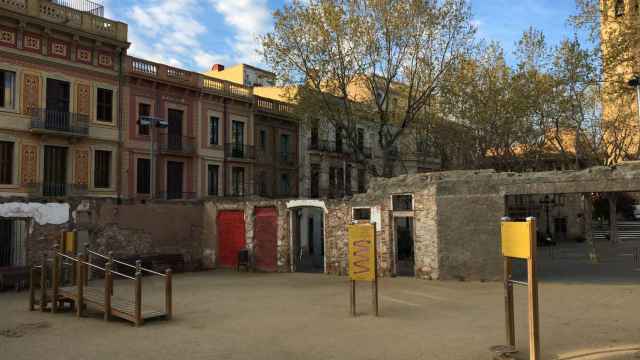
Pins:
x: 16, y: 276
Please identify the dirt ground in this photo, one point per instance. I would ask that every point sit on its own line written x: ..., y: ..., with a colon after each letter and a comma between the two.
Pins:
x: 226, y: 315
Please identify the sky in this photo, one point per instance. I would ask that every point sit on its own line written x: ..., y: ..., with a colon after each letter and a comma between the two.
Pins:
x: 194, y: 34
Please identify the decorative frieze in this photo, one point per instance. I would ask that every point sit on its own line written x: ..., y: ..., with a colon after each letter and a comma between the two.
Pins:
x: 105, y: 60
x: 30, y: 93
x: 83, y: 55
x: 29, y: 164
x: 59, y: 49
x: 82, y: 167
x: 7, y: 38
x: 32, y: 42
x: 84, y: 99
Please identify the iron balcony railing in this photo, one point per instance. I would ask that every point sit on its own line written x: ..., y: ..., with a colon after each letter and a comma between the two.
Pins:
x: 239, y: 151
x: 173, y: 195
x: 326, y: 146
x: 287, y: 158
x: 82, y: 5
x: 60, y: 121
x: 57, y: 189
x: 172, y: 143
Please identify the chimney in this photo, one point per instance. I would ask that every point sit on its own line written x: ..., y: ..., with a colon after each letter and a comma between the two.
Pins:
x: 217, y: 67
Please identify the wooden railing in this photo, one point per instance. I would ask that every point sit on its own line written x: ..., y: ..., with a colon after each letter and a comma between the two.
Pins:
x: 81, y: 270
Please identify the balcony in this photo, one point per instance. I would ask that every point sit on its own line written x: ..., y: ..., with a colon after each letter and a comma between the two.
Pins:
x: 82, y: 15
x: 326, y: 146
x: 162, y: 72
x: 66, y: 123
x: 287, y: 158
x: 225, y: 88
x: 52, y: 189
x: 273, y: 106
x: 176, y: 144
x: 168, y: 195
x: 239, y: 151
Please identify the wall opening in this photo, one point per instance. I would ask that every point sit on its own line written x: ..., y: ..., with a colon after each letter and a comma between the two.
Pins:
x: 13, y: 236
x: 404, y: 246
x: 307, y: 233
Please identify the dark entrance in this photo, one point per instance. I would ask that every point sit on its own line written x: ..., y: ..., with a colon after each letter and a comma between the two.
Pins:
x: 405, y: 262
x: 57, y: 113
x: 12, y: 242
x: 174, y: 180
x: 174, y: 130
x: 308, y: 239
x: 55, y: 171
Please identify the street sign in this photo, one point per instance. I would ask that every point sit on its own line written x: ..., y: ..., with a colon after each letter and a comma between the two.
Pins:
x: 362, y: 257
x: 517, y: 238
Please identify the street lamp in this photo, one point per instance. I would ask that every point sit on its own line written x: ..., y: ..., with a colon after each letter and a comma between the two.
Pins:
x: 152, y: 122
x: 635, y: 82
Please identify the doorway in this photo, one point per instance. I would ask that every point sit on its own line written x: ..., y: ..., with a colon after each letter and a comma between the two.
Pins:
x: 174, y: 129
x: 405, y: 259
x: 266, y: 239
x: 307, y: 239
x: 174, y: 180
x: 231, y: 237
x: 13, y: 236
x: 55, y: 171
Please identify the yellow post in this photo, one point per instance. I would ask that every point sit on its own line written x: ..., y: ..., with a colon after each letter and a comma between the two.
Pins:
x: 362, y: 261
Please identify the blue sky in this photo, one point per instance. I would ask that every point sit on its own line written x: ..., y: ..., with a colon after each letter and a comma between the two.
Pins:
x: 194, y: 34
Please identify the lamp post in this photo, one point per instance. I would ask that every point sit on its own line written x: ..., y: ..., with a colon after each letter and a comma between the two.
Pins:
x: 152, y: 123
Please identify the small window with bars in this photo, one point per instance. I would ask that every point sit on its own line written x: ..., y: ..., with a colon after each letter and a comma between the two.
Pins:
x: 102, y: 169
x: 402, y: 202
x: 6, y: 162
x: 104, y: 110
x: 362, y: 214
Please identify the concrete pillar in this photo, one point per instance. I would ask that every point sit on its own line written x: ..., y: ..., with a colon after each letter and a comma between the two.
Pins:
x: 613, y: 223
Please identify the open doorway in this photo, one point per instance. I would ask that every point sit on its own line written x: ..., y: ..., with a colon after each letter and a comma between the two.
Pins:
x: 307, y: 239
x: 13, y: 235
x: 403, y: 233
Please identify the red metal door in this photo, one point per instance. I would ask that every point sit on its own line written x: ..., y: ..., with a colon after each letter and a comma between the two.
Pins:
x: 266, y: 239
x: 231, y: 237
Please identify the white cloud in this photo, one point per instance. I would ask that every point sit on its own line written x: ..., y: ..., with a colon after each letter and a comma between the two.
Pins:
x: 169, y: 32
x: 248, y: 19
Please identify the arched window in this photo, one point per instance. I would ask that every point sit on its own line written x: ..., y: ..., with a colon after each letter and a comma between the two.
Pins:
x: 619, y: 8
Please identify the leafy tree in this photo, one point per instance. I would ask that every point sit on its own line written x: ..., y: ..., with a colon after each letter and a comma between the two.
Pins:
x: 380, y: 61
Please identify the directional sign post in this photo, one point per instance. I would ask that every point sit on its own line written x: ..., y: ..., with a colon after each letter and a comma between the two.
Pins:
x: 362, y: 261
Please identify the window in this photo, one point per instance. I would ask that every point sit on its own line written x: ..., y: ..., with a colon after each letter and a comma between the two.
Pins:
x: 105, y: 105
x: 263, y: 139
x: 237, y: 181
x: 6, y: 162
x: 7, y: 90
x: 237, y: 132
x: 332, y: 181
x: 284, y: 147
x: 143, y: 110
x: 362, y: 178
x: 144, y: 176
x: 315, y: 137
x: 619, y: 9
x: 285, y: 185
x: 340, y: 181
x: 214, y: 130
x: 58, y: 94
x: 212, y: 175
x: 339, y: 140
x: 347, y: 179
x: 360, y: 139
x: 102, y: 169
x: 361, y: 214
x: 402, y: 202
x: 262, y: 184
x: 315, y: 181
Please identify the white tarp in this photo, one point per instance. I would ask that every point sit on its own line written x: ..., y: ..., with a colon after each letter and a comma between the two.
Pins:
x: 50, y: 213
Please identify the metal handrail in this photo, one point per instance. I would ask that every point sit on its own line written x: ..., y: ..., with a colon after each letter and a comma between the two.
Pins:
x: 96, y: 266
x: 126, y: 264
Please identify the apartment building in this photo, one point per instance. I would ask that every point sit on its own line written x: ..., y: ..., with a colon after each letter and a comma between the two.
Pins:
x: 59, y: 99
x: 205, y: 146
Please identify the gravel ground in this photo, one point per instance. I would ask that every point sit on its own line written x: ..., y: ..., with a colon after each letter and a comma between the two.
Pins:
x: 225, y: 315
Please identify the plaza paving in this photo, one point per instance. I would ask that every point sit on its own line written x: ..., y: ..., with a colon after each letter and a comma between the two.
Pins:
x: 228, y: 315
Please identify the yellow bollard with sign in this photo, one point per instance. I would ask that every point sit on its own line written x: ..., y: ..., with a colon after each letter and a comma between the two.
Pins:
x: 519, y: 242
x: 362, y: 261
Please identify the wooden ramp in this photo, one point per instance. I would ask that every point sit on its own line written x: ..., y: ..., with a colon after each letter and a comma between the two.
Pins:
x: 120, y: 307
x: 77, y: 290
